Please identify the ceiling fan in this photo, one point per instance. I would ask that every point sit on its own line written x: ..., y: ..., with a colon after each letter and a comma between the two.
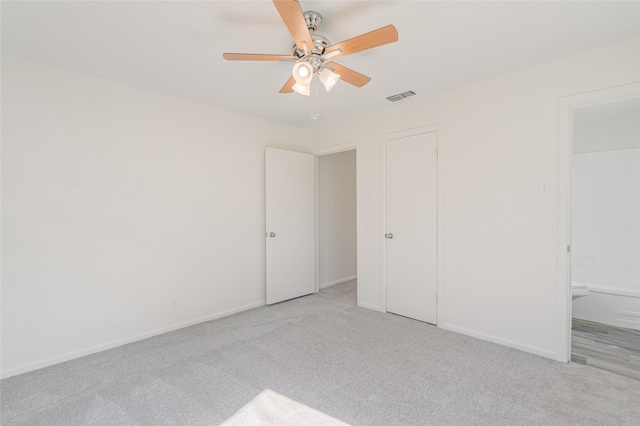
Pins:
x: 312, y: 52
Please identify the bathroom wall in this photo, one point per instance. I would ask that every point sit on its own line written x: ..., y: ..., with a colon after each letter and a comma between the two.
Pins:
x: 606, y: 213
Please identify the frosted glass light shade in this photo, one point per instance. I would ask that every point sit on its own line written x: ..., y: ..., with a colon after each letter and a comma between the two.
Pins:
x: 302, y: 72
x: 303, y: 89
x: 328, y: 78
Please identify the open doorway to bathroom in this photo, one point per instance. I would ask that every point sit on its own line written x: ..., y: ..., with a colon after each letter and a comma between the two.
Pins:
x: 605, y: 236
x: 337, y: 247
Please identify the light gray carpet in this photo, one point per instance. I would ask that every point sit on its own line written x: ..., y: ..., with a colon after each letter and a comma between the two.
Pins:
x: 359, y: 366
x: 272, y: 409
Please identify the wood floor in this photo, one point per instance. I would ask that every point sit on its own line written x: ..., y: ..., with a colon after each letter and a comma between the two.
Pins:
x: 607, y: 347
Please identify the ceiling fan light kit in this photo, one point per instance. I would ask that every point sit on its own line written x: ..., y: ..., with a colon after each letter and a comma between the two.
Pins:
x: 328, y: 78
x: 302, y: 72
x: 303, y: 89
x: 311, y: 51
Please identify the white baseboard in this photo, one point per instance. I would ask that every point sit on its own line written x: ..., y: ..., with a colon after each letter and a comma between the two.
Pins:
x: 505, y: 342
x: 340, y: 281
x: 370, y: 306
x: 628, y: 319
x: 119, y: 342
x: 614, y: 291
x: 616, y: 309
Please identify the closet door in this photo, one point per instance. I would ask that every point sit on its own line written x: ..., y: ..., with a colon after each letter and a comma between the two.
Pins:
x: 411, y: 228
x: 290, y: 224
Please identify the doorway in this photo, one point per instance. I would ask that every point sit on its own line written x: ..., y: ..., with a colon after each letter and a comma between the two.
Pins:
x: 599, y: 198
x: 337, y: 240
x: 605, y: 236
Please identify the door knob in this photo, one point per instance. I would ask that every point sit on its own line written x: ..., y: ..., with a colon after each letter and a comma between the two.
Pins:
x: 389, y: 235
x: 272, y: 234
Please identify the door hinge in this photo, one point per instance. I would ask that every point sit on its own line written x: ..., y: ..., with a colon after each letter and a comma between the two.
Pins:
x: 568, y: 249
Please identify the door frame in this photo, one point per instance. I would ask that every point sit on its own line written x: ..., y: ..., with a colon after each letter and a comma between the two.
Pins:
x: 436, y: 128
x: 565, y: 154
x: 333, y: 149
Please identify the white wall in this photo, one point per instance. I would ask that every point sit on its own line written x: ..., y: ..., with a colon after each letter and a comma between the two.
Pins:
x: 611, y: 125
x: 337, y: 217
x: 116, y: 202
x: 499, y: 144
x: 605, y: 230
x: 605, y: 219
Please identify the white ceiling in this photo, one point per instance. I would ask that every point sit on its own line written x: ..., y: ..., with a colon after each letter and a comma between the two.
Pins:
x: 175, y: 47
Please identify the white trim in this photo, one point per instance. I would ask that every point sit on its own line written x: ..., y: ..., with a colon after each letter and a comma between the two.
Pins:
x: 385, y: 137
x: 383, y: 222
x: 614, y: 291
x: 334, y: 149
x: 316, y: 223
x: 371, y: 306
x: 340, y: 281
x: 625, y: 323
x: 440, y: 253
x: 563, y: 300
x: 627, y: 319
x: 565, y: 144
x: 120, y: 342
x: 629, y: 314
x: 505, y: 342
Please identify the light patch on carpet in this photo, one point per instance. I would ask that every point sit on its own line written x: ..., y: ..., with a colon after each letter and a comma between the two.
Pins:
x: 270, y: 408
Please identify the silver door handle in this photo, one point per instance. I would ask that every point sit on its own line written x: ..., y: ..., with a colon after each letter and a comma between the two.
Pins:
x: 272, y: 234
x: 388, y: 235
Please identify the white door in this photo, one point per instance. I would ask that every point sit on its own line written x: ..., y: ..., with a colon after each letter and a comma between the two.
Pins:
x: 411, y: 231
x: 290, y: 220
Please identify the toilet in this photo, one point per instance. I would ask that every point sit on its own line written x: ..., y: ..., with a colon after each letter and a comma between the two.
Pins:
x: 578, y: 289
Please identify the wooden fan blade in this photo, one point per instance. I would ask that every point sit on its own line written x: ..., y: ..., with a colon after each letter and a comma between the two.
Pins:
x: 349, y: 75
x: 375, y: 38
x: 293, y: 18
x: 254, y: 57
x: 288, y: 86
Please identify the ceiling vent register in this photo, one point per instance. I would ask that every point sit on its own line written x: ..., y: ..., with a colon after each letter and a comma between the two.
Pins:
x: 401, y: 96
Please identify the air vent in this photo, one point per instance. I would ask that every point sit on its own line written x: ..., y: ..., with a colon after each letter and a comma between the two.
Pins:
x: 401, y: 96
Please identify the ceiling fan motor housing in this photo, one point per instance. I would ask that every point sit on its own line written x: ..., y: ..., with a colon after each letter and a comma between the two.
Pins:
x: 313, y: 19
x: 320, y: 43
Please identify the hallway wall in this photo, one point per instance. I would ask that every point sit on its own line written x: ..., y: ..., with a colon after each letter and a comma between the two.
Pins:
x: 337, y: 219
